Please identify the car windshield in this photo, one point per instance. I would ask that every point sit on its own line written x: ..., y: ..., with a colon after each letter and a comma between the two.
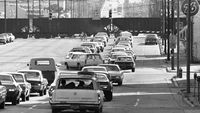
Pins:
x: 124, y: 59
x: 75, y: 83
x: 77, y: 50
x: 87, y: 45
x: 116, y: 50
x: 32, y: 76
x: 18, y: 77
x: 5, y: 79
x: 101, y: 77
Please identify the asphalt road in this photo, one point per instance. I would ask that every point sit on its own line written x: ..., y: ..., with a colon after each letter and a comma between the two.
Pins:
x: 148, y: 90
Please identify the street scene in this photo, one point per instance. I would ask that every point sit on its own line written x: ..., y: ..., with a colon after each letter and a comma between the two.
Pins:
x: 71, y: 56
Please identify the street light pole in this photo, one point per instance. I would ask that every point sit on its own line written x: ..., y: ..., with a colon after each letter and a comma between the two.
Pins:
x: 188, y: 46
x: 172, y: 31
x: 168, y: 31
x: 178, y: 37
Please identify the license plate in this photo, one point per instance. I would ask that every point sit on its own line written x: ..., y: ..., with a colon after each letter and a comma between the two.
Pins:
x: 74, y: 107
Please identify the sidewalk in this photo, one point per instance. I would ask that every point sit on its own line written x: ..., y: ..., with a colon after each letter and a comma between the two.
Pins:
x: 181, y: 83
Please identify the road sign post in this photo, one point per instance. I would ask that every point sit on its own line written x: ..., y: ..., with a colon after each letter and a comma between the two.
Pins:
x: 189, y: 8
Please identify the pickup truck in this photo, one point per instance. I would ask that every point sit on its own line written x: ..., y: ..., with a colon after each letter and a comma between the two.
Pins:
x: 3, y: 93
x: 76, y: 93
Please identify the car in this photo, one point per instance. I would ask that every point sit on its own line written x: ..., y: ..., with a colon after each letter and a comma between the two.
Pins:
x: 117, y: 49
x: 151, y: 39
x: 76, y: 93
x: 13, y: 88
x: 98, y: 46
x: 100, y: 42
x: 131, y: 53
x: 36, y: 79
x: 21, y: 80
x: 102, y: 34
x: 11, y: 37
x: 81, y: 49
x: 105, y: 85
x: 3, y: 39
x: 124, y: 39
x: 79, y: 60
x: 8, y: 38
x: 92, y: 46
x: 127, y: 46
x: 3, y: 93
x: 114, y: 55
x: 117, y: 75
x: 126, y: 62
x: 96, y: 69
x: 103, y: 38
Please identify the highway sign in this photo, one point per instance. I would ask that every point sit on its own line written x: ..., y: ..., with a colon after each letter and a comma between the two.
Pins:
x: 194, y: 7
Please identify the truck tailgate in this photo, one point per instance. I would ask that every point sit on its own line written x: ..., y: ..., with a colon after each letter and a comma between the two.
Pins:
x: 75, y: 96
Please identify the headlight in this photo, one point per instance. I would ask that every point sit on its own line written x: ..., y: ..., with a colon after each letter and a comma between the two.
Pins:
x: 39, y: 84
x: 11, y: 89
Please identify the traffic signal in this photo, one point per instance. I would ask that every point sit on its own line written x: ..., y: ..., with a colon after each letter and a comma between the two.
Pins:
x: 110, y: 13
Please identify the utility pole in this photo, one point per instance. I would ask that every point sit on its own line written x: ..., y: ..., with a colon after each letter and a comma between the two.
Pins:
x: 168, y: 30
x: 16, y: 13
x: 172, y: 32
x: 5, y: 17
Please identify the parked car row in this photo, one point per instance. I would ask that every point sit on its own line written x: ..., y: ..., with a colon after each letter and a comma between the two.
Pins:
x: 6, y: 38
x: 17, y: 86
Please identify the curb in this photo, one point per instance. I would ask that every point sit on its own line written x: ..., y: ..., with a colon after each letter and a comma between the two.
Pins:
x: 185, y: 99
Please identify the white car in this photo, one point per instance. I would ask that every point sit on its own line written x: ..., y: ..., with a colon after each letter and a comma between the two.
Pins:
x: 76, y: 93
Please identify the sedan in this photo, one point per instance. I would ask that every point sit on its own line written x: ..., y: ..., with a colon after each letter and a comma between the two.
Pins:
x: 117, y: 75
x: 126, y: 62
x: 13, y: 88
x: 26, y: 87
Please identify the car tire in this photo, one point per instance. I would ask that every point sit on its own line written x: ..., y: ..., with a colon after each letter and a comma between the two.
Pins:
x: 99, y: 110
x: 133, y: 69
x: 67, y: 66
x: 53, y: 110
x: 18, y: 101
x: 109, y: 96
x: 41, y: 93
x: 119, y: 83
x: 45, y: 91
x: 28, y: 97
x: 24, y: 97
x: 79, y: 66
x: 2, y: 105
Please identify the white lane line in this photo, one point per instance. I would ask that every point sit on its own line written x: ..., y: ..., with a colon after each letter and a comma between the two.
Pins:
x: 137, y: 102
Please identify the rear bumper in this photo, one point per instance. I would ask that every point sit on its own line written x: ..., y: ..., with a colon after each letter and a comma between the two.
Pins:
x: 74, y: 106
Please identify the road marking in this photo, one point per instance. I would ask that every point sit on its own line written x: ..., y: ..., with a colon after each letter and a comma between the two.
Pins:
x: 33, y: 107
x: 137, y: 102
x: 142, y: 93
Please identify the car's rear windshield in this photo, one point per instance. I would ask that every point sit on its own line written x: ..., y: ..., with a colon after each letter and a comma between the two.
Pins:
x: 111, y: 68
x: 75, y: 83
x: 32, y: 76
x: 18, y: 77
x: 93, y: 69
x: 5, y: 79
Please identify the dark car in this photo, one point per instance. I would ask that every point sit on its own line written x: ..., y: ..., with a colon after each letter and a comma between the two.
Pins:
x: 126, y: 62
x: 38, y: 83
x: 21, y: 80
x: 105, y: 85
x: 13, y: 88
x: 151, y: 39
x: 3, y: 94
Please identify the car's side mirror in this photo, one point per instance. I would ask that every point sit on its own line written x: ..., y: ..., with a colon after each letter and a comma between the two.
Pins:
x: 0, y: 83
x: 28, y: 64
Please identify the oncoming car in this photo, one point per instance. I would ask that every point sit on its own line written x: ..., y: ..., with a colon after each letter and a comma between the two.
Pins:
x: 76, y: 93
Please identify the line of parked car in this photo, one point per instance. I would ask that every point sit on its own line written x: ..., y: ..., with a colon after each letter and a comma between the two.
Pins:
x: 6, y: 38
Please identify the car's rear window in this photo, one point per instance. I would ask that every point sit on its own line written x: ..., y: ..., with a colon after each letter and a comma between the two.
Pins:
x: 5, y: 79
x: 111, y: 68
x: 32, y: 76
x: 18, y: 77
x: 93, y: 69
x: 75, y: 83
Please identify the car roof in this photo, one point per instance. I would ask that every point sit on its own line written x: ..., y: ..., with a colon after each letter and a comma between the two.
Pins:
x: 29, y: 71
x: 6, y: 74
x: 14, y: 73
